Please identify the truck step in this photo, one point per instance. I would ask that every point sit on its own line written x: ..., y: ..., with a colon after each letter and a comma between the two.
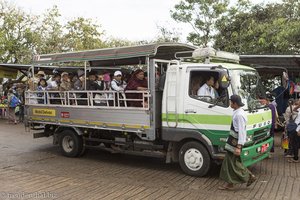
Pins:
x: 37, y: 128
x: 40, y: 134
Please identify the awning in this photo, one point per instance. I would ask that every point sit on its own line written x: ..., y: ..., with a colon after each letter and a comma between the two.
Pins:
x: 10, y: 70
x: 289, y: 62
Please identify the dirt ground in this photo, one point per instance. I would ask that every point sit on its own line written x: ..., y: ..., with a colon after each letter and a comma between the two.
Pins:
x: 34, y: 169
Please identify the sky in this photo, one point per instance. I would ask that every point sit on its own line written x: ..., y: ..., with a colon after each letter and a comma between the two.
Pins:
x: 124, y: 19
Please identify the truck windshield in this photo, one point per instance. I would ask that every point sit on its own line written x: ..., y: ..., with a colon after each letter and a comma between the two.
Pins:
x: 247, y: 84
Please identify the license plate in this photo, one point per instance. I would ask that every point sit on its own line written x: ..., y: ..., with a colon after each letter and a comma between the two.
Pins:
x: 264, y: 148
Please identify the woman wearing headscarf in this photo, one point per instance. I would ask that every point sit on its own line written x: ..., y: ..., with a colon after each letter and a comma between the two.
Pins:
x: 137, y: 82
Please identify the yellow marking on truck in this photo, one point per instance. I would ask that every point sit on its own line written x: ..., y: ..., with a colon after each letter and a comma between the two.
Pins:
x: 137, y: 126
x: 113, y: 124
x: 42, y: 119
x: 90, y: 123
x: 96, y: 123
x: 64, y: 121
x: 44, y: 112
x: 78, y: 121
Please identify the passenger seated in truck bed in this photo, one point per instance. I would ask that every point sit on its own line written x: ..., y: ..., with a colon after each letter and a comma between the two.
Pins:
x: 137, y: 82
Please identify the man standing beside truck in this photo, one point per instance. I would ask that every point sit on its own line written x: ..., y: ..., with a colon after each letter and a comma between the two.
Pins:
x: 233, y: 171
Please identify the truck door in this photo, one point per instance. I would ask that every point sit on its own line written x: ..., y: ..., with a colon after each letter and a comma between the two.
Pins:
x: 202, y: 112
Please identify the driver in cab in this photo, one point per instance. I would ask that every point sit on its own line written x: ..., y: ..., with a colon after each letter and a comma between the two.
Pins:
x: 207, y: 89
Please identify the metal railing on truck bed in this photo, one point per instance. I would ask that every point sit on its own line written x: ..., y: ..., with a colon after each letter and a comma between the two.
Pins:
x: 111, y: 99
x: 108, y: 110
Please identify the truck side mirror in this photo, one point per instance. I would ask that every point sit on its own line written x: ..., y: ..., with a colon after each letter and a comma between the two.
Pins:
x: 224, y: 80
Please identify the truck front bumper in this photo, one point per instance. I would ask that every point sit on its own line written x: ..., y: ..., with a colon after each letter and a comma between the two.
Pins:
x: 255, y: 153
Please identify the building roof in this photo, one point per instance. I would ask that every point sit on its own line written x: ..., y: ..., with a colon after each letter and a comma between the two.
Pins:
x: 289, y: 62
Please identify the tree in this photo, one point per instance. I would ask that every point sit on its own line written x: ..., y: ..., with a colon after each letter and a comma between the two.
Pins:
x: 83, y: 34
x: 202, y: 15
x: 117, y: 42
x: 18, y: 35
x: 23, y: 35
x: 262, y: 29
x: 50, y: 33
x: 231, y: 26
x: 167, y: 35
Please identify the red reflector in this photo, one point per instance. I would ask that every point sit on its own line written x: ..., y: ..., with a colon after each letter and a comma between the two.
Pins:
x: 264, y: 147
x: 65, y: 114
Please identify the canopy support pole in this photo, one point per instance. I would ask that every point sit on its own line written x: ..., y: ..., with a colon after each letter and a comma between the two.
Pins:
x: 84, y: 75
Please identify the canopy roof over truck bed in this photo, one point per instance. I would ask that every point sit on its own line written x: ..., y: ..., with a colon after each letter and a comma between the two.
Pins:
x: 117, y: 56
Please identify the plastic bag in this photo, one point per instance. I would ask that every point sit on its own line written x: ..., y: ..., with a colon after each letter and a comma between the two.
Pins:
x: 285, y: 143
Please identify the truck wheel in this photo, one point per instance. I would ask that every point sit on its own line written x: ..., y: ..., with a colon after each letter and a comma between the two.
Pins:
x: 194, y: 159
x: 71, y: 145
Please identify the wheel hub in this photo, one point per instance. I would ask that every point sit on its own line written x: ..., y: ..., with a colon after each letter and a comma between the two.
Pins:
x: 68, y: 144
x: 193, y: 159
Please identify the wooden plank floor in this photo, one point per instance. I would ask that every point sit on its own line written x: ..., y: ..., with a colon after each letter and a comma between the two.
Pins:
x: 32, y: 169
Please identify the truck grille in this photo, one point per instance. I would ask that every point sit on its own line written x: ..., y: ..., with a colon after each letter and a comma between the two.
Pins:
x: 260, y: 134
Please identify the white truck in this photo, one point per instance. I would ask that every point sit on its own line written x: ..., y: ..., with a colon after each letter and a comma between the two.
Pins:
x: 175, y: 124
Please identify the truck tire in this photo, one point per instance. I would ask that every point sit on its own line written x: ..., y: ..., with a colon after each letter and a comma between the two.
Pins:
x: 71, y: 144
x: 194, y: 159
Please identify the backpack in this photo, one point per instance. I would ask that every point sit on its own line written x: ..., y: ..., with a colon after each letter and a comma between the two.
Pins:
x: 291, y: 126
x: 15, y: 101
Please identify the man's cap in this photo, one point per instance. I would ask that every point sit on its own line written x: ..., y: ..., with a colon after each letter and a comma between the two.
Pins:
x: 41, y: 73
x: 270, y: 96
x: 80, y: 73
x: 118, y: 73
x: 236, y: 99
x: 64, y: 73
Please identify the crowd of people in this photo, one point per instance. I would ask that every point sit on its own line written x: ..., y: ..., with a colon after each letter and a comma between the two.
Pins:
x: 292, y: 130
x: 94, y: 82
x: 13, y: 97
x: 12, y: 103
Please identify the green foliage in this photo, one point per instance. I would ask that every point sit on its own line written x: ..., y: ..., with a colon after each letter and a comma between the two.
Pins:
x: 83, y: 34
x: 244, y: 28
x: 202, y: 15
x: 167, y: 35
x: 50, y: 32
x: 261, y: 29
x: 23, y: 35
x: 116, y: 42
x: 17, y: 34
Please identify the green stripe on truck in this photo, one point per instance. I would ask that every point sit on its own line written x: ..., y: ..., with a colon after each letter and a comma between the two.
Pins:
x: 214, y: 119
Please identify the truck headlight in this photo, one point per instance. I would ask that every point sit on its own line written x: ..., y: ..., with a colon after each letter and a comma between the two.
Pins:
x: 258, y: 149
x: 249, y: 138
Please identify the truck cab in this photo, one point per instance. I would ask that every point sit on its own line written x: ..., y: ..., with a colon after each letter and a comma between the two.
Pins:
x: 207, y: 120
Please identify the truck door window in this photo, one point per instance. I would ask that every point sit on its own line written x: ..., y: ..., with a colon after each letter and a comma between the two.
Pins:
x: 203, y: 86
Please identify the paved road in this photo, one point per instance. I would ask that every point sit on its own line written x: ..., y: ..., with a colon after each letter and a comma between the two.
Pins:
x: 34, y: 169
